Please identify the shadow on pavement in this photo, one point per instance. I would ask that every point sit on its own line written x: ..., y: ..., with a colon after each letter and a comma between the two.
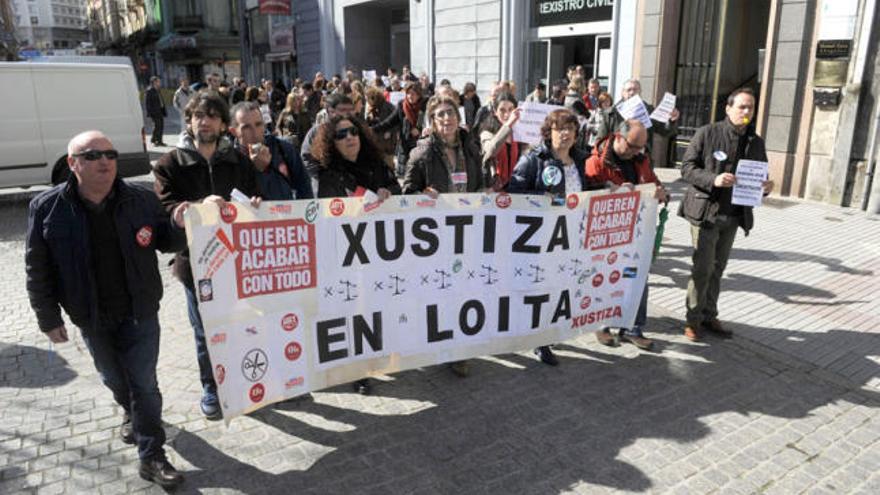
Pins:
x: 513, y: 426
x: 24, y: 366
x: 674, y: 263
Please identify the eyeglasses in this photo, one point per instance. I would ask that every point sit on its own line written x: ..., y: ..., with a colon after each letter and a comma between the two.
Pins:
x: 567, y: 129
x: 443, y: 114
x: 637, y: 149
x: 343, y: 133
x: 92, y: 155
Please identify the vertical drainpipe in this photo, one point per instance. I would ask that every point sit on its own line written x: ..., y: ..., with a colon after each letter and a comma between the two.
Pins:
x: 504, y: 70
x: 615, y: 46
x: 431, y: 67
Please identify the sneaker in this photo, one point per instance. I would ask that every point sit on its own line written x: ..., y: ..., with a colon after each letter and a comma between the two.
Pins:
x: 546, y: 355
x: 362, y: 386
x: 605, y: 338
x: 210, y: 406
x: 715, y: 327
x: 639, y: 341
x: 126, y: 432
x: 160, y: 471
x: 460, y: 368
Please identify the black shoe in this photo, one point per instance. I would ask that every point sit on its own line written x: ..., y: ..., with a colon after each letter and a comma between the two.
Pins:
x: 210, y: 406
x: 362, y: 386
x: 546, y: 355
x: 160, y: 471
x: 126, y: 432
x: 160, y: 143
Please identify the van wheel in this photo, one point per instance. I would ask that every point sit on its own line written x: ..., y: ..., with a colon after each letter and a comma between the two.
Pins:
x: 61, y: 171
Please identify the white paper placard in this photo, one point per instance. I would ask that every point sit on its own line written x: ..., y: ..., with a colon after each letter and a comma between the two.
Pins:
x: 664, y: 109
x: 634, y: 108
x: 749, y: 187
x: 528, y: 128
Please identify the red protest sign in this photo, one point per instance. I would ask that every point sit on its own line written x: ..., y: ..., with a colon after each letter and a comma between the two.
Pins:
x: 611, y: 220
x: 275, y: 256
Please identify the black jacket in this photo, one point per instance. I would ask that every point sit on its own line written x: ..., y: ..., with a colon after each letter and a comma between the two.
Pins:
x: 426, y: 166
x: 700, y: 166
x: 342, y: 177
x: 471, y: 105
x: 527, y: 175
x: 397, y: 120
x: 184, y: 175
x: 58, y: 263
x: 155, y: 107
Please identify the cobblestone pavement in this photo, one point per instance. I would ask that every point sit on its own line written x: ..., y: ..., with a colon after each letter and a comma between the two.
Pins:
x: 770, y: 411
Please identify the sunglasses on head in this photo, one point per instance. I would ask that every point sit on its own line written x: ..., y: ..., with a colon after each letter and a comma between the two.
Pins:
x: 343, y: 133
x: 92, y: 155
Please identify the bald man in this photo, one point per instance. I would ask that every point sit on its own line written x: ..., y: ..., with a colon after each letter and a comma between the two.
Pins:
x: 91, y: 250
x: 618, y: 160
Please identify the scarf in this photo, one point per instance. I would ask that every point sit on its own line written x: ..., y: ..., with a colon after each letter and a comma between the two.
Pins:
x: 505, y: 160
x: 411, y: 112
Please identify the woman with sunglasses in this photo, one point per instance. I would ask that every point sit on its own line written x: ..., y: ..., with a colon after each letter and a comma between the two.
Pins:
x: 349, y: 159
x: 555, y: 167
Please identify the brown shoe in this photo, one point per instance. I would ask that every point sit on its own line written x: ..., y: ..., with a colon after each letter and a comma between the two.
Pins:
x: 605, y: 338
x: 715, y: 327
x: 691, y: 333
x: 639, y: 341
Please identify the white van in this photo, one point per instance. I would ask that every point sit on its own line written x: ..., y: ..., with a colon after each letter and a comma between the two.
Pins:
x: 45, y: 104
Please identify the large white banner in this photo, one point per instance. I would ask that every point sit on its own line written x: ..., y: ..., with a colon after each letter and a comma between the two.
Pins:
x: 298, y: 296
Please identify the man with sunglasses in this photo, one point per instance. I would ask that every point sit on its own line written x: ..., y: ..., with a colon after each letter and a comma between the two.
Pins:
x: 91, y: 250
x: 204, y: 167
x: 620, y: 160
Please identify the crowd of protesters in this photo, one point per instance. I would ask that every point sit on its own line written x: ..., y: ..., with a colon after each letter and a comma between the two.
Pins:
x: 395, y: 134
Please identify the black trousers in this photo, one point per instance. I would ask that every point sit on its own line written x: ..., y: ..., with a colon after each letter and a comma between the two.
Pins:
x: 158, y: 129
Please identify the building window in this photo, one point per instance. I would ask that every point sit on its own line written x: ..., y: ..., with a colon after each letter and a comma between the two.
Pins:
x: 35, y: 20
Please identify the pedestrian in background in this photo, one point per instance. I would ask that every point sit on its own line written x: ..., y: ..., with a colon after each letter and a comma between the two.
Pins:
x: 574, y: 98
x: 408, y: 120
x: 612, y: 117
x: 156, y: 111
x: 293, y: 122
x: 471, y: 103
x: 181, y: 98
x: 539, y: 94
x: 91, y: 250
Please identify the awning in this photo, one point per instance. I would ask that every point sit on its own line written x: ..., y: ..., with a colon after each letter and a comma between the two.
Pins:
x: 279, y: 56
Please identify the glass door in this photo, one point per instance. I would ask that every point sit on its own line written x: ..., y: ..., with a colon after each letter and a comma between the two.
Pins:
x: 539, y: 65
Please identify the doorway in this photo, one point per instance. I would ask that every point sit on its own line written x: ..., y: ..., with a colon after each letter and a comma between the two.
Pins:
x: 550, y: 58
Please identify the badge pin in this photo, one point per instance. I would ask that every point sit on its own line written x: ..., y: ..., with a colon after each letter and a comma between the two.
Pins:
x: 720, y: 155
x: 551, y: 176
x: 144, y: 235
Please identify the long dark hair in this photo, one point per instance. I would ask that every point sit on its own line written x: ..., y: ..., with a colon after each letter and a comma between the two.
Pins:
x: 492, y: 124
x: 324, y: 147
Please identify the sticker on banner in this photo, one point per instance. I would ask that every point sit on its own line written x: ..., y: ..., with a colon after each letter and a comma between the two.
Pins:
x: 290, y: 322
x: 292, y: 351
x: 228, y: 213
x: 254, y: 365
x: 206, y: 290
x: 503, y: 200
x: 257, y: 392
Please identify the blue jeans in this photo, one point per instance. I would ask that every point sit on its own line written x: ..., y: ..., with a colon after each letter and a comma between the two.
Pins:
x: 641, y: 317
x: 206, y: 374
x: 125, y: 354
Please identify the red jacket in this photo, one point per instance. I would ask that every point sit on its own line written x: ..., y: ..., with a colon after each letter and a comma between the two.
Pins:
x: 601, y: 169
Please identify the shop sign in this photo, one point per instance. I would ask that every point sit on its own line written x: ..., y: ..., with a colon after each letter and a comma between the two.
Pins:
x: 833, y: 48
x: 555, y: 12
